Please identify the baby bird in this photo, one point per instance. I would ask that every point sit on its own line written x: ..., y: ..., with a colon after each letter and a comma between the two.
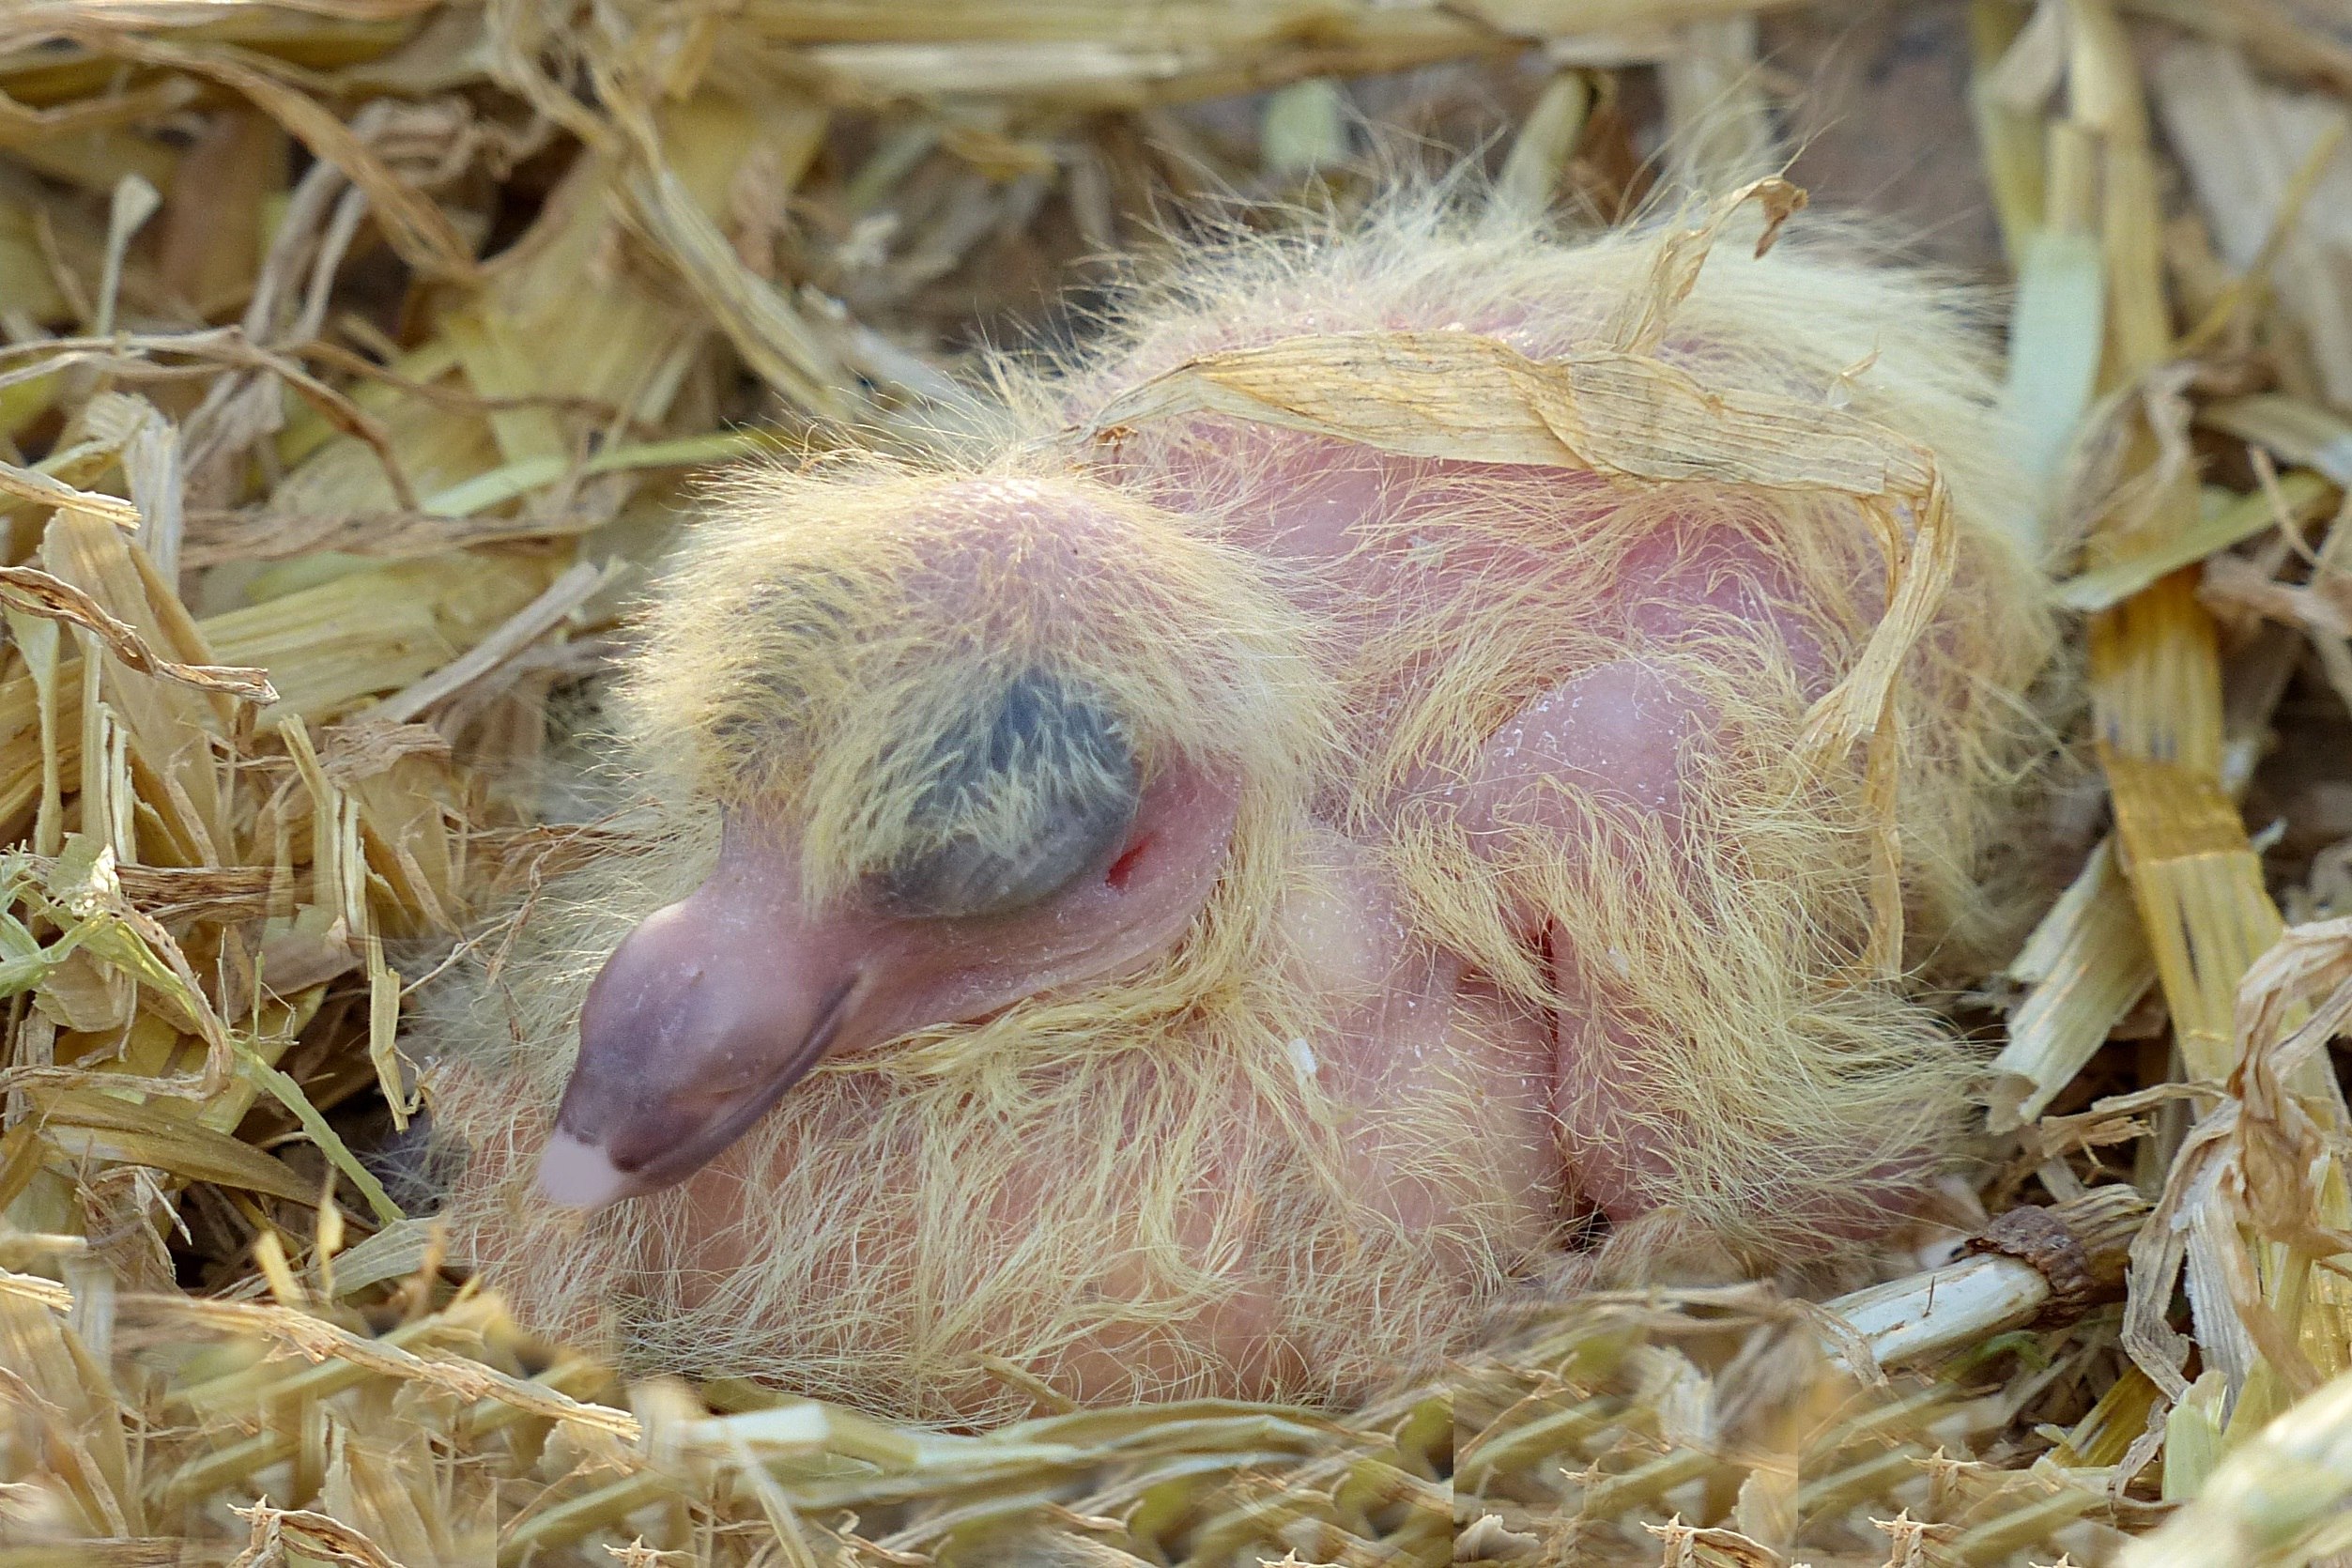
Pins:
x: 1199, y: 897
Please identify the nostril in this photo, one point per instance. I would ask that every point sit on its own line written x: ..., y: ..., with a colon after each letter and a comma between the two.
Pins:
x: 1122, y: 870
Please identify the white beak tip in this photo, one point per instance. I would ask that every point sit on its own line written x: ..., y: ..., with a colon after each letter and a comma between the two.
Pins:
x: 574, y: 1174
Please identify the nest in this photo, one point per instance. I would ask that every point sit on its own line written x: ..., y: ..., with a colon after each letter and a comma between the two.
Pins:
x: 361, y: 353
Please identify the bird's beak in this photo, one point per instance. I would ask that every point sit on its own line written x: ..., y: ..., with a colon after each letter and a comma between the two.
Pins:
x: 698, y: 1023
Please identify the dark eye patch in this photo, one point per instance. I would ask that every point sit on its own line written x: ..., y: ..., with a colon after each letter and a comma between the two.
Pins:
x: 1032, y: 792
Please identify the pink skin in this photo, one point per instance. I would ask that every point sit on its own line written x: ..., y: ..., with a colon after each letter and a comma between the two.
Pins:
x: 712, y: 1008
x: 707, y: 1012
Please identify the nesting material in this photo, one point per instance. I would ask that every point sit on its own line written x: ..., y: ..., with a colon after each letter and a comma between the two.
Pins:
x: 346, y: 341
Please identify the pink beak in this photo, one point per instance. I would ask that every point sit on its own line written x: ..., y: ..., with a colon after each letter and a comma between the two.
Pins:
x: 698, y: 1023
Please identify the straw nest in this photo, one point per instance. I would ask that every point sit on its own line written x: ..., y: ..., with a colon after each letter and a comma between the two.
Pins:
x: 359, y: 353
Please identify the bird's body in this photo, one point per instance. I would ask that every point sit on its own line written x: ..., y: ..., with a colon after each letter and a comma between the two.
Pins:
x: 1215, y: 902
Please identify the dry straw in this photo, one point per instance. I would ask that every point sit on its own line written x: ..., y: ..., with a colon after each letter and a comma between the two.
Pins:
x: 356, y: 353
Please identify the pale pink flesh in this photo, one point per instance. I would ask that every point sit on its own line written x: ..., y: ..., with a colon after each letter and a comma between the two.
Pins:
x: 1620, y: 731
x: 1616, y: 733
x: 709, y: 1001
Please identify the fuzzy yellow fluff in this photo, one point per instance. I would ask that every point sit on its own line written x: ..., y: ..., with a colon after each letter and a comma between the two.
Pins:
x: 1084, y: 1182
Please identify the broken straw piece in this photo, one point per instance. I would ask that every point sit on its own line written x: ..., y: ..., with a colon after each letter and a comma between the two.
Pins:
x: 2030, y: 1264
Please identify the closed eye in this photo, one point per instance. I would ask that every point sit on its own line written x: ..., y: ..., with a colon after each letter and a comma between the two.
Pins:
x: 1033, y: 793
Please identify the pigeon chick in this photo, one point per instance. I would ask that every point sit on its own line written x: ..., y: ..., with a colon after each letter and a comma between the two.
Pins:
x: 1216, y: 888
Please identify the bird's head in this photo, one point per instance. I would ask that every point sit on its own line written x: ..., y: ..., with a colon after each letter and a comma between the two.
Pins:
x: 972, y: 739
